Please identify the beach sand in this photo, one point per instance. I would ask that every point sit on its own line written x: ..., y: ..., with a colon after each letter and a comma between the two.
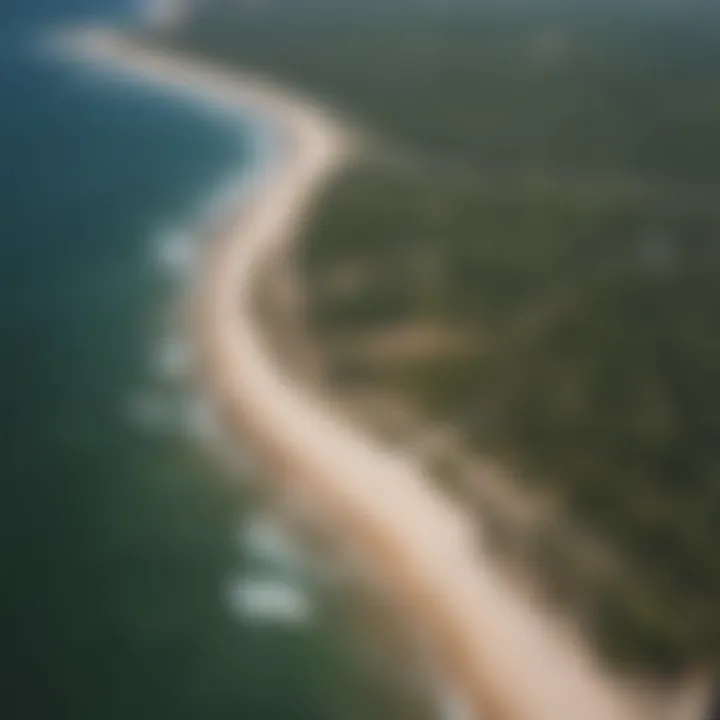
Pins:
x: 507, y: 657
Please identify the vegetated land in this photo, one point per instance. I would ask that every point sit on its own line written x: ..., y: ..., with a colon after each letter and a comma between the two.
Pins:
x: 546, y: 209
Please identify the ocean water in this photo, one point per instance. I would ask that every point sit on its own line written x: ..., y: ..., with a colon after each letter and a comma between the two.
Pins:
x: 138, y: 581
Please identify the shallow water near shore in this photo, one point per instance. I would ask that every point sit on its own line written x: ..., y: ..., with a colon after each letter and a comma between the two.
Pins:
x: 124, y: 536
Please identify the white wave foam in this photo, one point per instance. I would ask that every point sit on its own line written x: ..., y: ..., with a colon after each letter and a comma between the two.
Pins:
x: 172, y: 358
x: 175, y: 252
x: 227, y: 198
x: 268, y: 543
x: 230, y: 194
x: 270, y: 601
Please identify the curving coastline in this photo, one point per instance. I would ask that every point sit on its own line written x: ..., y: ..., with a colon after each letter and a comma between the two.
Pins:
x: 510, y: 660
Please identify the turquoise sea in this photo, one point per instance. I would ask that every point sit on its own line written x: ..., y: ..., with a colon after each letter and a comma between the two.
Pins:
x: 126, y: 546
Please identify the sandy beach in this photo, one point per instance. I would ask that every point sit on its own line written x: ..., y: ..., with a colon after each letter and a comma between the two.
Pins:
x: 508, y: 658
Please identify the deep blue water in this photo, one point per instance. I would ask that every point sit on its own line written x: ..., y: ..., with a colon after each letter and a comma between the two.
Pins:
x: 119, y: 534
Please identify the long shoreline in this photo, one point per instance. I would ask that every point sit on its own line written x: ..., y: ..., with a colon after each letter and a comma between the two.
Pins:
x: 510, y: 660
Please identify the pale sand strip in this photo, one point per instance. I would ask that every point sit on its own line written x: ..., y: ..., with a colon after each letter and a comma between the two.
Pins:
x: 512, y: 660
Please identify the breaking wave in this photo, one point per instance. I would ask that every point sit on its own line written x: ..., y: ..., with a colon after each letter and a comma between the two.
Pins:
x: 172, y: 359
x: 175, y: 252
x: 270, y: 546
x: 261, y: 600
